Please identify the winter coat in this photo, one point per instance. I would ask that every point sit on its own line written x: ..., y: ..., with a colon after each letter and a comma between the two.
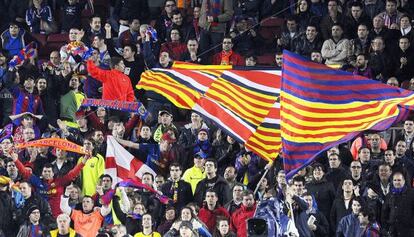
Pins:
x: 239, y: 219
x: 209, y: 217
x: 184, y: 195
x: 398, y: 213
x: 220, y: 186
x: 348, y: 226
x: 324, y: 194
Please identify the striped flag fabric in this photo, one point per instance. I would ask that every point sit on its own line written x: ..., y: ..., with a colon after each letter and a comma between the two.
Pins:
x: 244, y: 103
x: 25, y: 53
x: 121, y: 164
x: 323, y: 107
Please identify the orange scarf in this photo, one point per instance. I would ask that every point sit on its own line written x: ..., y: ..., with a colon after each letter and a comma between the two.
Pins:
x: 225, y: 57
x: 183, y: 3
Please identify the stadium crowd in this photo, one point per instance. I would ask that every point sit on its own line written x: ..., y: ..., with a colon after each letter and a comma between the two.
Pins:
x: 214, y: 183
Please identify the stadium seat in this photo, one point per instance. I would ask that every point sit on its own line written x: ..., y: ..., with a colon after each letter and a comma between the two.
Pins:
x: 266, y: 60
x: 40, y: 38
x: 58, y: 38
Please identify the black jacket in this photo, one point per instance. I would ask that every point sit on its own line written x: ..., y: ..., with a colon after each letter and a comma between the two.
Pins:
x: 44, y: 208
x: 132, y: 225
x: 338, y: 211
x: 398, y: 213
x: 185, y: 194
x: 324, y: 194
x: 219, y: 185
x: 7, y: 208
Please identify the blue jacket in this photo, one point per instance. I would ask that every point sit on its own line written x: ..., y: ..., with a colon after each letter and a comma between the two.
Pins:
x: 348, y: 226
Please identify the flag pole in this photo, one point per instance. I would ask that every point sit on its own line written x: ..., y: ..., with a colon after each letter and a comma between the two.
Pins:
x: 267, y: 168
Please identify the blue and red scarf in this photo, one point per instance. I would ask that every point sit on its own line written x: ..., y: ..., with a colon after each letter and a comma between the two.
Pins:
x: 214, y: 9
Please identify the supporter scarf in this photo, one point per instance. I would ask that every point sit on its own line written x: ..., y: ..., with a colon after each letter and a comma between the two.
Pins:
x: 106, y: 199
x: 214, y: 10
x: 25, y: 53
x: 397, y: 190
x: 54, y: 142
x: 6, y: 132
x: 135, y: 216
x: 135, y: 107
x: 174, y: 191
x: 225, y: 57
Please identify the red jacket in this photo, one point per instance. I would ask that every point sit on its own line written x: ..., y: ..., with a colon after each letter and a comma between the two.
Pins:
x: 116, y: 85
x: 209, y: 217
x: 235, y: 59
x: 239, y: 219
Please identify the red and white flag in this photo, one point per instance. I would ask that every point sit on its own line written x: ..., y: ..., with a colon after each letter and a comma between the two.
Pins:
x: 121, y: 164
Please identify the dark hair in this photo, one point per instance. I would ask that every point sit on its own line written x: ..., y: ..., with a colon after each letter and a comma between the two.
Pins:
x: 165, y: 3
x: 394, y: 1
x: 405, y: 15
x: 247, y: 192
x: 100, y: 37
x: 237, y: 184
x: 211, y: 190
x: 214, y: 161
x: 48, y: 166
x: 176, y: 164
x: 176, y: 12
x: 132, y: 46
x: 356, y: 4
x: 299, y: 179
x: 114, y: 119
x: 404, y: 37
x: 148, y: 173
x: 94, y: 16
x: 318, y: 165
x: 106, y: 176
x: 337, y: 24
x: 115, y: 61
x: 358, y: 199
x: 366, y: 211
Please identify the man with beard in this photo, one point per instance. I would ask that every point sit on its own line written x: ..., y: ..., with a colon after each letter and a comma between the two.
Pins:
x: 360, y: 44
x: 361, y: 66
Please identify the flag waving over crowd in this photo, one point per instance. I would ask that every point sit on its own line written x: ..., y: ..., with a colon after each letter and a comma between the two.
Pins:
x: 322, y: 107
x: 121, y: 165
x: 243, y: 103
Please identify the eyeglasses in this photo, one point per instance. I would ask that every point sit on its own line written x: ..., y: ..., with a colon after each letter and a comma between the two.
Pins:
x: 170, y: 5
x: 356, y: 167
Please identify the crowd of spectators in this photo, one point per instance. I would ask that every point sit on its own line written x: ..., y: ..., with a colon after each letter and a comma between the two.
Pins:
x: 214, y: 183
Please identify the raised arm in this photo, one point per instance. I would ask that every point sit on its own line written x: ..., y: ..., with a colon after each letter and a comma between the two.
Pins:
x: 64, y: 201
x: 97, y: 73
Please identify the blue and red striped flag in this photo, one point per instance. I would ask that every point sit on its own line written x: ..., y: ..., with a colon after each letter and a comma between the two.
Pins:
x: 244, y: 103
x: 25, y: 53
x: 322, y: 107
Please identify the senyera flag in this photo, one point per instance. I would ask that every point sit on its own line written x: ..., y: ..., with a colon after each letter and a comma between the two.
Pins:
x: 323, y: 107
x: 121, y: 164
x: 244, y: 103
